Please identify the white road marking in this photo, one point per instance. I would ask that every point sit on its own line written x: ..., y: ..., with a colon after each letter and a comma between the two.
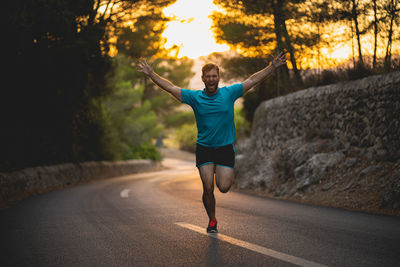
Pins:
x: 156, y: 179
x: 266, y: 251
x: 125, y: 193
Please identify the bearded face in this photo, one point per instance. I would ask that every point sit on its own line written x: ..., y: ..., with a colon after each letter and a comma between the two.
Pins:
x: 211, y: 80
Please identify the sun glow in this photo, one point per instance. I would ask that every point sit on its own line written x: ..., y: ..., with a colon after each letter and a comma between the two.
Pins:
x: 190, y: 28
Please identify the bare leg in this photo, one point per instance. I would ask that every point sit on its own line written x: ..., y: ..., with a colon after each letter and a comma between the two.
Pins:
x: 207, y: 178
x: 224, y: 177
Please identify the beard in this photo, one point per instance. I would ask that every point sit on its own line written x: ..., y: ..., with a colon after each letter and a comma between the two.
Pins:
x: 212, y: 88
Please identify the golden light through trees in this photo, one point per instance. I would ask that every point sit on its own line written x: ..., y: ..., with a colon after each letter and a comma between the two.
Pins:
x: 190, y: 28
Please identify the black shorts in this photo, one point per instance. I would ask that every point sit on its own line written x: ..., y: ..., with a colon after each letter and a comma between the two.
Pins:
x: 222, y: 156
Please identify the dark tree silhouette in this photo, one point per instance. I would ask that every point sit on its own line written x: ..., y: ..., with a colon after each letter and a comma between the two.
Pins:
x: 56, y: 60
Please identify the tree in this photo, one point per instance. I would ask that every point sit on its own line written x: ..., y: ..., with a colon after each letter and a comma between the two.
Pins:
x: 143, y: 39
x: 392, y: 9
x: 356, y: 14
x: 375, y: 23
x: 258, y: 28
x: 58, y: 55
x: 130, y: 124
x: 54, y: 67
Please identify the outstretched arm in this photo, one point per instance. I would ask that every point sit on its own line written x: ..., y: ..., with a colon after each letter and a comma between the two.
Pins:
x: 261, y: 75
x: 160, y: 81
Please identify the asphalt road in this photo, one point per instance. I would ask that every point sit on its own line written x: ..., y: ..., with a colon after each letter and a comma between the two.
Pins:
x: 158, y: 219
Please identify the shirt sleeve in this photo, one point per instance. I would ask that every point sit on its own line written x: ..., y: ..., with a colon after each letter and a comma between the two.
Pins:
x: 236, y: 91
x: 187, y: 96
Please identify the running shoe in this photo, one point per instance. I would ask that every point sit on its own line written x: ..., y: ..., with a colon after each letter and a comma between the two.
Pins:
x: 212, y: 227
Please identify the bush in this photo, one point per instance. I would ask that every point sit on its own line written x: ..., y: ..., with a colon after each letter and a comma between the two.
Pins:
x: 241, y: 124
x: 143, y: 151
x: 186, y: 136
x: 359, y: 71
x: 180, y: 118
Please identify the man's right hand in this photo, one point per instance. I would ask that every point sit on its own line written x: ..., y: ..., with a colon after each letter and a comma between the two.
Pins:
x: 279, y: 60
x: 160, y: 81
x: 145, y: 67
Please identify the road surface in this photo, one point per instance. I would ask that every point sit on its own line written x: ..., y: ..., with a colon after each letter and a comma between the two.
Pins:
x: 158, y: 219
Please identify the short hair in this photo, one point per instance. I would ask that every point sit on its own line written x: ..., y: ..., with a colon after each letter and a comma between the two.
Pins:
x: 209, y: 66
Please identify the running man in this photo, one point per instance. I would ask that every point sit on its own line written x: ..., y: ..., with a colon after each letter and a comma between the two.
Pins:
x: 213, y: 109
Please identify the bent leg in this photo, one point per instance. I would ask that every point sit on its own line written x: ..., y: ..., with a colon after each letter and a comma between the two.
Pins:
x: 207, y: 177
x: 224, y: 177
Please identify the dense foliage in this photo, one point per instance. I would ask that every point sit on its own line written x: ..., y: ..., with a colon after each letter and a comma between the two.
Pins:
x: 64, y: 99
x: 71, y: 92
x: 256, y: 29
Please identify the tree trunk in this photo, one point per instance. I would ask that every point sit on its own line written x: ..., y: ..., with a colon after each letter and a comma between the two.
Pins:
x: 375, y: 36
x: 319, y: 52
x: 291, y: 52
x: 284, y: 38
x: 277, y: 28
x: 280, y: 47
x: 388, y: 56
x: 355, y: 18
x: 352, y: 43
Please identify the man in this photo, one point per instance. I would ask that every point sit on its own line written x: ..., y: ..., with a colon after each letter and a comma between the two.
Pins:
x: 213, y: 109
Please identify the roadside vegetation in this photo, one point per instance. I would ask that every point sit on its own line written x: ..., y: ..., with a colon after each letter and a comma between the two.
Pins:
x: 71, y: 91
x: 309, y: 31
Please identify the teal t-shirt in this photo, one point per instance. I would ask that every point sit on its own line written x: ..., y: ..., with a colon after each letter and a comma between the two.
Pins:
x: 214, y: 114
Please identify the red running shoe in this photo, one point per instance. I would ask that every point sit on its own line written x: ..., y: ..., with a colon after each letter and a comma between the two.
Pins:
x: 212, y: 227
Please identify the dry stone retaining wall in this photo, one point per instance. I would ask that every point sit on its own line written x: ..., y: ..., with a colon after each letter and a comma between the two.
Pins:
x: 362, y: 114
x: 15, y: 185
x: 300, y: 136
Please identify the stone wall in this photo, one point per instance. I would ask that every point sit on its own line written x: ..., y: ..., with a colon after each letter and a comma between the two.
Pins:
x: 19, y: 184
x: 298, y: 138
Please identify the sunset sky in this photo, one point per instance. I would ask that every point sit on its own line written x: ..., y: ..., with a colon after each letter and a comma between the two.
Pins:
x: 190, y: 29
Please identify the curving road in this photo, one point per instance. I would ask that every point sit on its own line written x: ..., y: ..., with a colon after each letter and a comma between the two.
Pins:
x: 158, y: 219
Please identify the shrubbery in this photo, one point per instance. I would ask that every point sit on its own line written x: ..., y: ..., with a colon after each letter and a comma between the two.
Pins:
x: 186, y: 136
x: 242, y: 125
x: 142, y: 151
